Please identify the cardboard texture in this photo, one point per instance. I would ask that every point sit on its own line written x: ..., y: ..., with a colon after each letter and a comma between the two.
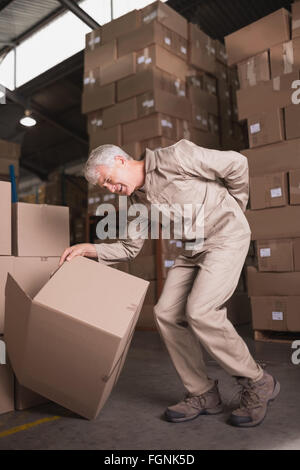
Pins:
x: 100, y: 136
x: 294, y: 186
x: 95, y: 97
x: 166, y: 16
x: 156, y: 56
x: 5, y: 211
x: 6, y: 386
x: 266, y: 96
x: 183, y: 129
x: 30, y: 272
x: 149, y: 127
x: 163, y: 102
x: 266, y: 128
x: 122, y: 25
x: 120, y: 68
x: 205, y: 100
x: 221, y: 55
x: 270, y: 190
x: 277, y: 222
x: 40, y: 229
x: 258, y: 36
x: 94, y: 121
x: 292, y: 116
x: 296, y: 252
x: 295, y: 19
x: 199, y: 118
x: 275, y: 255
x: 285, y: 58
x: 263, y: 284
x: 120, y: 113
x: 155, y: 143
x: 254, y: 70
x: 99, y: 56
x: 276, y: 313
x: 202, y: 53
x: 283, y: 156
x: 65, y: 343
x: 153, y: 33
x: 9, y: 150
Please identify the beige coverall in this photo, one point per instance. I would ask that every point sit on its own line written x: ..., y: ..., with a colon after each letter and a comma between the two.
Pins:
x: 190, y: 310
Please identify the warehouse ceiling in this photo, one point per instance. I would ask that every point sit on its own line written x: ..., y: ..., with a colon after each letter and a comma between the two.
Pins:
x: 55, y: 96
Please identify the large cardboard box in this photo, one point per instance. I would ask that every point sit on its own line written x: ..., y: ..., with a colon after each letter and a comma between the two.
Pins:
x: 269, y: 190
x: 292, y: 116
x: 153, y: 33
x: 258, y: 36
x: 96, y: 97
x: 275, y: 255
x: 166, y: 16
x: 40, y: 229
x: 65, y: 343
x: 202, y: 53
x: 163, y: 102
x: 266, y: 128
x: 295, y: 19
x: 156, y: 56
x: 122, y: 25
x: 5, y: 212
x: 199, y: 117
x: 277, y: 222
x: 120, y: 68
x: 266, y: 96
x: 264, y: 283
x: 99, y: 136
x: 149, y: 127
x: 30, y: 272
x: 254, y: 70
x: 120, y: 113
x: 276, y: 313
x: 9, y: 149
x: 6, y: 381
x: 285, y: 58
x: 296, y: 252
x: 156, y: 143
x: 5, y: 164
x: 294, y: 186
x: 100, y: 55
x: 283, y: 156
x: 25, y: 398
x: 221, y: 55
x: 207, y: 101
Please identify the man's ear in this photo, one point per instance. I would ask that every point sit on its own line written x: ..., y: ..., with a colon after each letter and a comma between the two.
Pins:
x: 121, y: 159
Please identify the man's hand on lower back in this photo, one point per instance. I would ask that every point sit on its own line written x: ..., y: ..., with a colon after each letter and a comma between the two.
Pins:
x: 81, y: 249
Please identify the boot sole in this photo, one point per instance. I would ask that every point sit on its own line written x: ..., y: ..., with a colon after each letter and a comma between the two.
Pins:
x: 210, y: 411
x: 257, y: 422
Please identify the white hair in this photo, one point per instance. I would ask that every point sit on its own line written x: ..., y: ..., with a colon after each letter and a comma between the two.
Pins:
x: 103, y: 155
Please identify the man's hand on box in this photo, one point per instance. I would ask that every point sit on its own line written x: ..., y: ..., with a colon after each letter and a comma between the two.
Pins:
x: 81, y: 249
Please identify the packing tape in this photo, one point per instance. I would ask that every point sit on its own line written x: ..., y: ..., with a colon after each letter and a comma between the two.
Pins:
x: 166, y: 123
x: 276, y: 83
x: 250, y: 72
x: 295, y: 24
x: 186, y: 131
x: 148, y: 103
x: 94, y: 40
x: 288, y: 56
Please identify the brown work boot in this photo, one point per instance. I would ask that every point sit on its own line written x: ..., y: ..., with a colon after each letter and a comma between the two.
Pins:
x: 209, y: 403
x: 254, y: 400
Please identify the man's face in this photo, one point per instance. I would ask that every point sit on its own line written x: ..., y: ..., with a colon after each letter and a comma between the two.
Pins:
x: 116, y: 178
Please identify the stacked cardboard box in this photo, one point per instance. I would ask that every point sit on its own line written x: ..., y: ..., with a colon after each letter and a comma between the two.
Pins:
x: 9, y: 155
x: 268, y: 64
x: 31, y: 241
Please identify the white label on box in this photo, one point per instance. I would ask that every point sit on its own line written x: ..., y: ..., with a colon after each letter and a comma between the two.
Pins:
x: 179, y: 244
x: 166, y: 123
x: 168, y: 41
x: 150, y: 17
x: 254, y: 128
x: 99, y: 122
x: 264, y: 252
x: 148, y: 103
x: 148, y: 60
x: 276, y: 192
x: 169, y: 263
x: 86, y: 81
x: 198, y: 117
x: 183, y: 50
x: 181, y: 93
x: 204, y: 122
x: 141, y: 59
x: 277, y: 315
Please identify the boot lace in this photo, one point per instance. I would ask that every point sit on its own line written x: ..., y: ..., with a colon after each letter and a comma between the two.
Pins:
x: 195, y: 401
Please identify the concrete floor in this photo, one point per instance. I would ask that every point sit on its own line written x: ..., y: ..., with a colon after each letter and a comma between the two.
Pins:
x: 132, y: 417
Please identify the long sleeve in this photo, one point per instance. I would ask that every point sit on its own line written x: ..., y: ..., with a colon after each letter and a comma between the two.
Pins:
x: 229, y: 166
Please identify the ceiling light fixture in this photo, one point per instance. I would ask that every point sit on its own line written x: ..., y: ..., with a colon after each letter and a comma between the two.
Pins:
x: 27, y: 120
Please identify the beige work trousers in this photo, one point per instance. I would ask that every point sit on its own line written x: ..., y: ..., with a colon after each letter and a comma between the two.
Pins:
x: 190, y: 314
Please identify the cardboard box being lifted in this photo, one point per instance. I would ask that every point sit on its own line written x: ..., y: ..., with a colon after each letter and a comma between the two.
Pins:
x: 5, y: 211
x: 258, y: 36
x: 40, y: 229
x: 70, y: 341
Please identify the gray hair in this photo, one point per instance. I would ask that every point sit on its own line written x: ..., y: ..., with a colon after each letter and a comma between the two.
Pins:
x: 103, y: 155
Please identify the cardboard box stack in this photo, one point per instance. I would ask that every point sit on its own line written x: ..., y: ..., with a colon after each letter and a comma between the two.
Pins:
x: 268, y: 64
x: 31, y: 241
x: 9, y: 155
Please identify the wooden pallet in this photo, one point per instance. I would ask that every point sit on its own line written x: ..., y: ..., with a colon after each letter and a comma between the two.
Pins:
x: 276, y: 336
